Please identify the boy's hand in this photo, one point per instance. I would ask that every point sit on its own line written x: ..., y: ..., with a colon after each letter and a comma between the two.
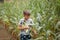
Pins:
x: 34, y: 31
x: 34, y: 34
x: 26, y: 27
x: 23, y: 27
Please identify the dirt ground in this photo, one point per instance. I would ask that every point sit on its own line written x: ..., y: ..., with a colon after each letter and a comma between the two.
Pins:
x: 4, y: 35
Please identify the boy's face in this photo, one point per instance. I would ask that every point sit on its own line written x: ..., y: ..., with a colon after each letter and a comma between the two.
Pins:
x: 26, y: 16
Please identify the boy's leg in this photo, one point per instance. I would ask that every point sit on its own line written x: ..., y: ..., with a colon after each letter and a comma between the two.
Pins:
x: 23, y: 37
x: 28, y: 37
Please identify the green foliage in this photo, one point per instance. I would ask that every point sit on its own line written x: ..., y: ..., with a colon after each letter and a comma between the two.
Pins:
x: 45, y: 13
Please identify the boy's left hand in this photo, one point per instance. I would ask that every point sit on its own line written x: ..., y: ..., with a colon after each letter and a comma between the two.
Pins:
x: 35, y: 34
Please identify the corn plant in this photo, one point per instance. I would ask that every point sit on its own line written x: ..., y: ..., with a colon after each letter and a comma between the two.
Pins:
x: 45, y: 13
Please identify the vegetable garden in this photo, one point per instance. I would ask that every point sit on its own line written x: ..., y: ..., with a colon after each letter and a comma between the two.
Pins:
x: 45, y: 13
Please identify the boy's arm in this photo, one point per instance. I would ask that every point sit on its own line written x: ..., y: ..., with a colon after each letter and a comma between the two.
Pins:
x: 22, y: 27
x: 32, y: 28
x: 34, y: 31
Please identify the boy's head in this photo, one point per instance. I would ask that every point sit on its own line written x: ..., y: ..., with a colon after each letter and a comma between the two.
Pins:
x: 26, y: 14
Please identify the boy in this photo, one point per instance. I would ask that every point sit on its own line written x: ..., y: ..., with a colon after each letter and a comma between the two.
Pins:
x: 25, y: 25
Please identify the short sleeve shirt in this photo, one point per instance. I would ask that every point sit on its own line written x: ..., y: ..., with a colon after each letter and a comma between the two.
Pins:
x: 27, y: 22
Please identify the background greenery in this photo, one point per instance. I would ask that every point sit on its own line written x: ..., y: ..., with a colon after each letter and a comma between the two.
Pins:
x: 45, y: 13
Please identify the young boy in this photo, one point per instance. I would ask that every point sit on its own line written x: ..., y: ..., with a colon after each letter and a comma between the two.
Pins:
x: 24, y: 26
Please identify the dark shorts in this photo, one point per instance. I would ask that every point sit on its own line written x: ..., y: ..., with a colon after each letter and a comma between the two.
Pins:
x: 25, y: 37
